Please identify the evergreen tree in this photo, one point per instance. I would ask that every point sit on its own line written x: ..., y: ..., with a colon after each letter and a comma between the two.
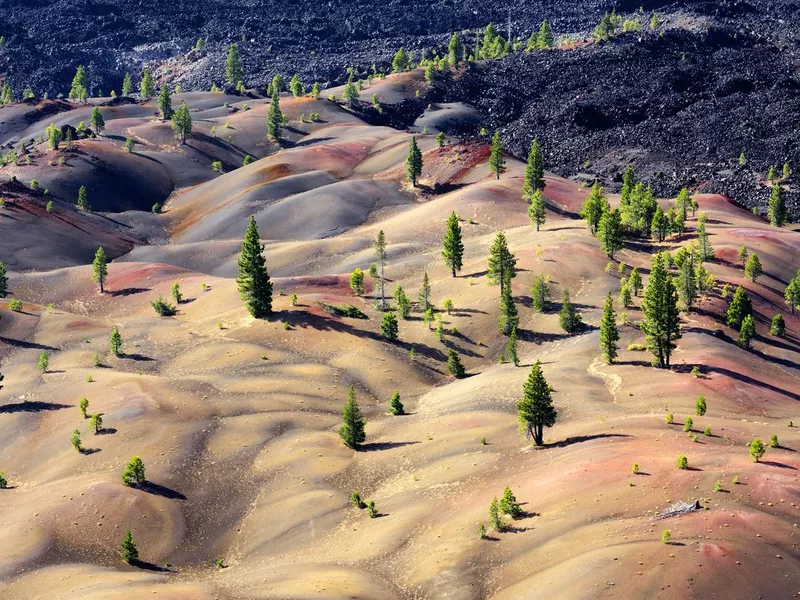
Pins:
x: 274, y: 117
x: 352, y: 429
x: 660, y: 310
x: 609, y: 232
x: 127, y: 85
x: 389, y: 328
x: 534, y: 172
x: 757, y: 449
x: 234, y: 73
x: 453, y: 247
x: 628, y: 184
x: 43, y: 364
x: 400, y: 61
x: 296, y: 86
x: 425, y: 293
x: 96, y: 423
x: 502, y: 264
x: 508, y: 504
x: 82, y: 406
x: 706, y: 251
x: 165, y: 103
x: 625, y: 297
x: 80, y: 84
x: 3, y: 281
x: 454, y: 366
x: 380, y: 252
x: 635, y: 282
x: 752, y: 269
x: 509, y: 318
x: 777, y: 326
x: 395, y: 406
x: 700, y: 406
x: 497, y: 162
x: 494, y: 515
x: 536, y: 410
x: 776, y: 210
x: 455, y: 49
x: 182, y: 123
x: 83, y: 199
x: 134, y: 473
x: 315, y: 91
x: 791, y: 294
x: 100, y: 268
x: 357, y: 281
x: 129, y: 552
x: 595, y: 206
x: 402, y: 302
x: 255, y: 288
x: 115, y: 342
x: 659, y: 227
x: 609, y: 335
x: 747, y: 332
x: 740, y: 307
x: 743, y: 255
x: 413, y: 162
x: 540, y: 293
x: 176, y: 293
x: 350, y: 93
x: 545, y: 38
x: 75, y: 440
x: 568, y: 317
x: 147, y: 87
x: 511, y: 348
x: 686, y: 284
x: 536, y: 212
x: 98, y: 123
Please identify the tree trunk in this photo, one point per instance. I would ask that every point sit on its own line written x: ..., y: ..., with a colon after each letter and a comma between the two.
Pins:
x: 454, y: 271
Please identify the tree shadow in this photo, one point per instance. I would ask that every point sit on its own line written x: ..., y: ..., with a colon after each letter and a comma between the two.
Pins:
x: 26, y: 345
x: 147, y: 566
x: 127, y: 291
x: 578, y: 439
x: 107, y: 431
x: 138, y: 357
x: 490, y: 538
x: 376, y: 446
x: 88, y: 451
x: 772, y: 463
x: 31, y: 407
x: 160, y: 490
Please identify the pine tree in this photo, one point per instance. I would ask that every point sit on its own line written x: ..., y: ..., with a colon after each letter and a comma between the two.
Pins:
x: 502, y: 264
x: 3, y: 281
x: 743, y: 255
x: 357, y: 281
x: 380, y: 252
x: 96, y: 423
x: 540, y: 293
x: 568, y: 317
x: 115, y: 342
x: 274, y: 117
x: 686, y: 283
x: 511, y: 348
x: 508, y: 504
x: 129, y: 552
x: 635, y: 282
x: 455, y: 49
x: 625, y: 297
x: 389, y: 328
x: 352, y: 429
x: 700, y: 407
x: 545, y: 38
x: 127, y: 85
x: 400, y: 61
x: 182, y: 123
x: 536, y: 212
x: 753, y: 269
x: 350, y: 93
x: 747, y: 332
x: 609, y: 335
x: 509, y: 318
x: 413, y: 162
x: 791, y: 294
x: 75, y: 440
x: 82, y: 406
x: 453, y: 246
x: 534, y: 172
x: 497, y: 162
x: 134, y: 473
x: 706, y: 251
x: 296, y: 86
x: 425, y: 293
x: 454, y: 366
x: 83, y: 199
x: 100, y: 268
x: 739, y: 308
x: 778, y: 326
x: 776, y: 210
x: 234, y: 73
x: 609, y: 232
x: 595, y: 206
x: 660, y: 310
x: 147, y: 87
x: 176, y: 293
x: 494, y: 515
x: 535, y: 410
x: 165, y: 103
x: 80, y: 84
x: 402, y: 302
x: 43, y: 364
x: 659, y: 227
x: 255, y: 288
x: 395, y: 406
x: 96, y: 118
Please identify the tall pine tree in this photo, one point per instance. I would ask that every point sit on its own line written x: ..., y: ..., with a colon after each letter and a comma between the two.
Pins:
x: 609, y: 334
x: 595, y: 206
x: 534, y: 172
x: 497, y: 162
x: 776, y: 210
x: 234, y: 73
x: 352, y: 429
x: 536, y: 212
x: 502, y: 264
x: 413, y: 161
x: 660, y: 310
x: 255, y: 288
x: 453, y: 246
x: 100, y: 268
x: 509, y: 318
x: 609, y: 232
x: 535, y: 410
x: 274, y: 116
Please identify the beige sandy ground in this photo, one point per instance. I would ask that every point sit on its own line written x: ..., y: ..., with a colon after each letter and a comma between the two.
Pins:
x: 237, y: 419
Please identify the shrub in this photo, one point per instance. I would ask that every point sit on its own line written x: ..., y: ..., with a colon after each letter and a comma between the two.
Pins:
x: 129, y: 552
x: 343, y: 310
x: 682, y: 462
x: 15, y: 305
x: 89, y: 378
x: 735, y: 480
x: 700, y: 407
x: 355, y: 500
x: 134, y: 472
x: 293, y: 299
x: 707, y: 431
x: 669, y: 419
x: 757, y: 449
x: 635, y: 469
x: 82, y: 406
x: 482, y: 531
x: 163, y: 308
x: 773, y: 441
x: 75, y: 440
x: 637, y: 347
x: 43, y: 363
x: 216, y: 166
x: 718, y: 485
x: 666, y: 536
x: 687, y: 424
x: 371, y: 509
x: 96, y: 424
x: 454, y: 365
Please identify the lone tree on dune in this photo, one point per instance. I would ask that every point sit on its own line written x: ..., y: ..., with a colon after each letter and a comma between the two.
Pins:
x: 100, y: 268
x: 609, y: 334
x: 234, y: 73
x: 389, y: 328
x: 129, y: 552
x: 660, y: 310
x: 96, y: 118
x: 536, y: 212
x: 82, y: 406
x: 395, y: 405
x: 43, y: 364
x: 380, y: 252
x: 535, y: 410
x: 357, y: 281
x: 182, y: 123
x: 509, y: 505
x: 115, y: 342
x: 497, y: 162
x: 757, y: 449
x: 274, y: 116
x: 83, y: 199
x: 255, y: 288
x: 454, y: 366
x: 502, y: 264
x: 534, y: 172
x: 134, y: 472
x: 453, y: 246
x: 96, y: 424
x: 791, y: 294
x: 494, y: 515
x: 352, y: 429
x: 413, y: 161
x: 425, y: 293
